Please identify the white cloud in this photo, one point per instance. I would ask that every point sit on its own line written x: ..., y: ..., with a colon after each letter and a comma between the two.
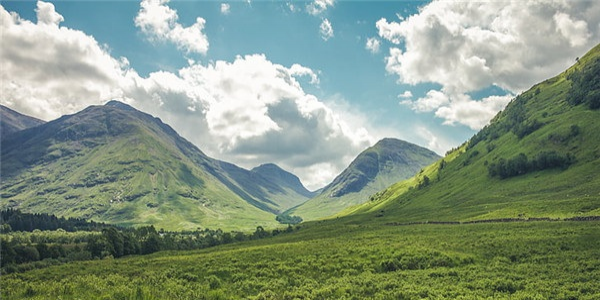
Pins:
x: 468, y: 46
x: 319, y: 6
x: 406, y: 95
x: 225, y: 8
x: 298, y: 70
x: 326, y: 30
x: 47, y: 70
x: 248, y: 111
x: 575, y: 32
x: 159, y: 22
x: 47, y: 15
x: 435, y: 142
x: 432, y: 101
x: 475, y: 114
x: 373, y: 44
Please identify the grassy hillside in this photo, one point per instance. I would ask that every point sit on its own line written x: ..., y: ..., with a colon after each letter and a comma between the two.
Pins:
x: 115, y: 164
x: 538, y: 158
x: 376, y: 168
x: 337, y: 260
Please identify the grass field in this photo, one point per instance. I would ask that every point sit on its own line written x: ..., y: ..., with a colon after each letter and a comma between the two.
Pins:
x: 337, y: 260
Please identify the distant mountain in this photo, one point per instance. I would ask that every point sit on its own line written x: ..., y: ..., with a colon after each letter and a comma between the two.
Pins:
x: 282, y: 178
x: 115, y: 164
x: 379, y: 166
x: 539, y: 158
x: 12, y: 121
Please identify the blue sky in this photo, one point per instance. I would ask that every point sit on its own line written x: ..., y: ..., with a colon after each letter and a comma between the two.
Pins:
x: 304, y: 84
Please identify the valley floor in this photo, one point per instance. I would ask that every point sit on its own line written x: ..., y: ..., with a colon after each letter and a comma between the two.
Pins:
x: 335, y: 260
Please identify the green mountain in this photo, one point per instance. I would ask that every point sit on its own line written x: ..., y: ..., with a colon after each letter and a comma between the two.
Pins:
x: 376, y: 168
x: 282, y: 178
x: 12, y: 121
x: 115, y: 164
x: 540, y: 157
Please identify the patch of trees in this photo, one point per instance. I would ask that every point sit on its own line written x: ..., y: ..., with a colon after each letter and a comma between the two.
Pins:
x: 15, y: 220
x: 585, y: 85
x: 521, y: 164
x: 288, y: 219
x: 423, y: 182
x: 23, y: 250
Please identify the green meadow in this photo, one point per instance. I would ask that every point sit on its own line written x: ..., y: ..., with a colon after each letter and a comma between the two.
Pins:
x: 338, y: 260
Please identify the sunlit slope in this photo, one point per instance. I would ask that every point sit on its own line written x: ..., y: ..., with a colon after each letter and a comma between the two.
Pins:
x: 376, y: 168
x: 540, y: 157
x: 115, y: 164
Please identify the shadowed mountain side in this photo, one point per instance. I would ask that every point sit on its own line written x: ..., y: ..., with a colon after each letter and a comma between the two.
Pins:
x: 379, y: 166
x: 116, y: 164
x: 12, y: 121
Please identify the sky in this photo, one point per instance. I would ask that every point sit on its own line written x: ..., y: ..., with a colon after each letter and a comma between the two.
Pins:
x: 307, y: 85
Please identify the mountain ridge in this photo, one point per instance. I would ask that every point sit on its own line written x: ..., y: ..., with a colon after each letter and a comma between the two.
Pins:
x: 537, y: 158
x: 12, y: 121
x: 374, y: 169
x: 116, y: 164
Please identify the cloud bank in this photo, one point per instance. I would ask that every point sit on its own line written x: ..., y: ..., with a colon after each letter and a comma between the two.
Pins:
x: 248, y: 111
x: 468, y: 46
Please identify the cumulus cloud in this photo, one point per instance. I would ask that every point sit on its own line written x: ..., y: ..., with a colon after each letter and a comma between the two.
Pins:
x: 475, y: 114
x: 159, y: 22
x: 373, y: 44
x: 468, y: 46
x: 47, y: 70
x: 432, y: 101
x: 225, y: 8
x: 326, y: 30
x: 575, y: 32
x: 47, y: 15
x: 248, y: 111
x: 319, y: 6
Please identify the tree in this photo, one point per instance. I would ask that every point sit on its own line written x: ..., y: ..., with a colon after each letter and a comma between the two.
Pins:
x: 115, y: 240
x: 8, y: 255
x: 260, y: 233
x: 98, y: 246
x: 151, y: 244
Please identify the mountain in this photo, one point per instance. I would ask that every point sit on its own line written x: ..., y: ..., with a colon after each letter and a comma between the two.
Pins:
x: 12, y: 121
x: 539, y: 157
x: 377, y: 167
x: 282, y: 178
x: 115, y: 164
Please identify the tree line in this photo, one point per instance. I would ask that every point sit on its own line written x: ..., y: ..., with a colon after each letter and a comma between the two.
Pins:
x: 521, y: 164
x: 15, y: 220
x: 27, y: 250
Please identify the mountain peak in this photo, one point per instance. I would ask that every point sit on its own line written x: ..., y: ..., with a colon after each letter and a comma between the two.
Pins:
x: 119, y: 104
x: 282, y: 177
x: 12, y: 121
x: 388, y: 161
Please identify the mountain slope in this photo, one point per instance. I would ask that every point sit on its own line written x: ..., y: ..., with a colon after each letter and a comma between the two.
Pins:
x: 538, y: 158
x: 387, y: 162
x: 12, y: 121
x: 115, y: 164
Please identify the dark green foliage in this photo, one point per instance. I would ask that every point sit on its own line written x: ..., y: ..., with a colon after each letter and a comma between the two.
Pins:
x: 524, y: 129
x: 288, y: 219
x: 520, y: 164
x: 423, y: 182
x: 585, y: 85
x: 19, y: 221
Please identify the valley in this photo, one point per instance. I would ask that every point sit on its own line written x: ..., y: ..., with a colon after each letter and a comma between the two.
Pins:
x: 511, y: 213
